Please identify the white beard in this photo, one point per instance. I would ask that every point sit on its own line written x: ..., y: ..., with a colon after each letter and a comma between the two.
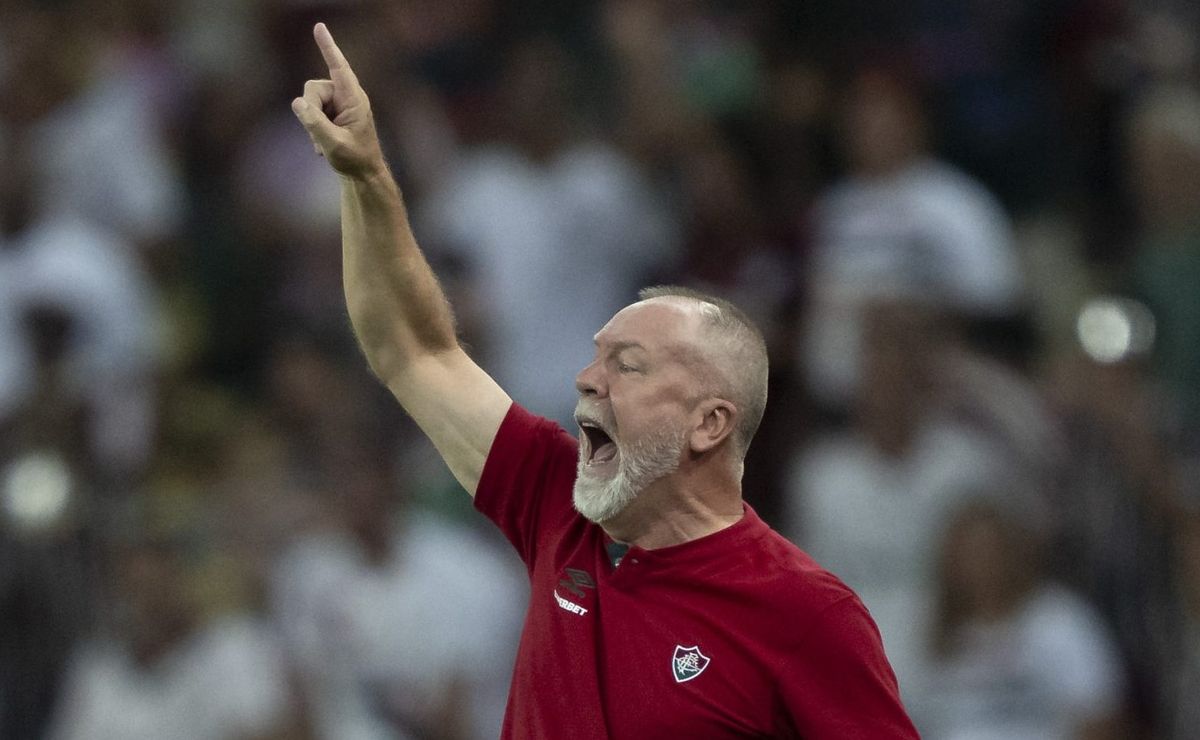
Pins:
x: 647, y: 460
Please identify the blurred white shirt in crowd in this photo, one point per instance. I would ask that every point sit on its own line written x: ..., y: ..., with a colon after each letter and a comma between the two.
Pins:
x: 874, y: 521
x: 556, y: 249
x: 384, y: 646
x: 226, y: 682
x: 87, y: 272
x: 16, y: 361
x: 101, y: 156
x: 1038, y: 675
x: 928, y: 232
x: 1182, y: 698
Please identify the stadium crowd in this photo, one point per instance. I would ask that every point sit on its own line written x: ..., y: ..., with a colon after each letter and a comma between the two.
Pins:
x: 970, y: 232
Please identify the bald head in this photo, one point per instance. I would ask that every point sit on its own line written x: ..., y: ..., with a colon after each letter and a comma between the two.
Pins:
x: 730, y: 356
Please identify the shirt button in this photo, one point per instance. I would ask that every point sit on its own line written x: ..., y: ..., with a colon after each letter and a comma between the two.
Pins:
x: 636, y: 561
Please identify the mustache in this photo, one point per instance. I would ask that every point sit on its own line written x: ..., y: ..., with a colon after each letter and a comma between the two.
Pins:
x: 596, y: 415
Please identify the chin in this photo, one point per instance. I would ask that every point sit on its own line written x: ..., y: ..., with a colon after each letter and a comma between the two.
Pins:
x: 651, y: 459
x: 599, y: 500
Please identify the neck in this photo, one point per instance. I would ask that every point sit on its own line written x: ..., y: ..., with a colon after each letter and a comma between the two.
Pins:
x: 149, y: 646
x: 376, y: 544
x: 890, y: 165
x: 679, y: 508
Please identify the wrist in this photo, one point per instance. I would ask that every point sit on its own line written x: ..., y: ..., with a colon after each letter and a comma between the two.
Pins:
x: 375, y: 178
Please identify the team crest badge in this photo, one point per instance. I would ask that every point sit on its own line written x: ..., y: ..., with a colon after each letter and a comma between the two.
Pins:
x: 688, y: 663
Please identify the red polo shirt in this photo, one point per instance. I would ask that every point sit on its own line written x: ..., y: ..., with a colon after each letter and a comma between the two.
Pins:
x: 737, y: 634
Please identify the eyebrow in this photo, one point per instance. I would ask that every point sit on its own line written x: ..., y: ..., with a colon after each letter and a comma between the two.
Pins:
x: 621, y: 346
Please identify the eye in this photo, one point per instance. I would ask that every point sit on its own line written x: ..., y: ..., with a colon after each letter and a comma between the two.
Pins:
x: 626, y: 368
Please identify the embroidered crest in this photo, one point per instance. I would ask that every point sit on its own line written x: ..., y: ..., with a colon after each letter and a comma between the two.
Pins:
x: 688, y: 663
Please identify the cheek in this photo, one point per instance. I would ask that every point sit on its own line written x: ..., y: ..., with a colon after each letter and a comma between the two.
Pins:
x: 640, y: 424
x: 642, y: 407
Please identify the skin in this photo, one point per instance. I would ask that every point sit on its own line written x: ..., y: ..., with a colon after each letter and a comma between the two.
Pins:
x: 406, y: 330
x: 980, y: 559
x: 642, y: 380
x: 399, y: 313
x: 882, y: 125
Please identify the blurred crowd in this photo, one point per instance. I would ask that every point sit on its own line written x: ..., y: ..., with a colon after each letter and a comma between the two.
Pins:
x: 970, y: 231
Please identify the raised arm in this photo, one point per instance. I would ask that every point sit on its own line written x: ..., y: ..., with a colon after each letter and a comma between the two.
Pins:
x: 400, y: 314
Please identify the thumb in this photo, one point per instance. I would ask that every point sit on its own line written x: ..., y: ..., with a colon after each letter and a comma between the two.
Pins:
x: 314, y: 120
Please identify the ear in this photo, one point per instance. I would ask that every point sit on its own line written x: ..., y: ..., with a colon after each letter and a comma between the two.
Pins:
x: 716, y: 422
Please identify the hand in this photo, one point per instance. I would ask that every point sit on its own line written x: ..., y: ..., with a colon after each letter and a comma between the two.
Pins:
x: 337, y: 115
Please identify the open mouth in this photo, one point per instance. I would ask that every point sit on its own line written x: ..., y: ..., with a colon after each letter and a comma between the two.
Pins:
x: 601, y: 448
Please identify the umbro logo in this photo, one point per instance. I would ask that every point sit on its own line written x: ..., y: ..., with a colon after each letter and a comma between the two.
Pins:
x: 575, y: 582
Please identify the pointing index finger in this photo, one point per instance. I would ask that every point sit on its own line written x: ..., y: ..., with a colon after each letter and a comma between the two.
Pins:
x: 334, y: 58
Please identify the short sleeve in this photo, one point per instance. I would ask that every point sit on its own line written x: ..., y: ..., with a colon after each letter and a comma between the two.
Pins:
x: 525, y: 487
x: 836, y: 682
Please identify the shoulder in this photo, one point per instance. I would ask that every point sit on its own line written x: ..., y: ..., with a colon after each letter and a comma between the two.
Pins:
x: 1055, y: 613
x: 314, y: 560
x: 830, y: 461
x: 525, y: 484
x: 597, y: 159
x: 940, y: 184
x: 522, y: 426
x: 807, y: 607
x: 1070, y: 648
x: 239, y: 645
x: 793, y: 588
x: 526, y: 444
x: 818, y: 637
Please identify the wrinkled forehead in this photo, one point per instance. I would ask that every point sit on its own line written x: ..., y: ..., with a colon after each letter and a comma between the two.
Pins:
x: 657, y: 324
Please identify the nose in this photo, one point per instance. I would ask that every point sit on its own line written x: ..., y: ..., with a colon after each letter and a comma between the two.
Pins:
x: 590, y: 380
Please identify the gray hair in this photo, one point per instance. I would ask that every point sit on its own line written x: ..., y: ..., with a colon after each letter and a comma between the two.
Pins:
x: 735, y: 352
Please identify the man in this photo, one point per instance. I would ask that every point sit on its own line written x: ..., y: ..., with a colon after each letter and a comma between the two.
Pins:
x: 661, y: 605
x: 162, y: 670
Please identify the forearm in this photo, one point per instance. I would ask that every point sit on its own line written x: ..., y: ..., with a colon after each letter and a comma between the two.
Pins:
x: 399, y: 313
x: 398, y: 310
